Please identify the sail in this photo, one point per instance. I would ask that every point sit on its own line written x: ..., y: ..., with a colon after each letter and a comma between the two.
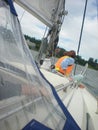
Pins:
x: 27, y: 99
x: 46, y: 11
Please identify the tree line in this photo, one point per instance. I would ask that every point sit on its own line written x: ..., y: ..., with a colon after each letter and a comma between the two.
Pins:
x: 92, y: 63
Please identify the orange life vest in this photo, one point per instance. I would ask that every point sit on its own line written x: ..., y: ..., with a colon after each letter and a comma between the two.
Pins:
x: 58, y: 67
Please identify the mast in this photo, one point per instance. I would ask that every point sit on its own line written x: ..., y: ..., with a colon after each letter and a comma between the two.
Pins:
x: 51, y: 13
x: 50, y: 42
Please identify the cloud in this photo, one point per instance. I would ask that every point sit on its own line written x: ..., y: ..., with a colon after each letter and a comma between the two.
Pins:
x: 70, y: 32
x: 30, y: 25
x: 72, y: 27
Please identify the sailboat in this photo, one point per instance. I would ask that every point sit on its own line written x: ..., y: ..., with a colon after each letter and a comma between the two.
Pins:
x: 33, y: 98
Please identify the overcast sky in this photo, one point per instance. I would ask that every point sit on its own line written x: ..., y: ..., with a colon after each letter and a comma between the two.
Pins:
x: 70, y: 32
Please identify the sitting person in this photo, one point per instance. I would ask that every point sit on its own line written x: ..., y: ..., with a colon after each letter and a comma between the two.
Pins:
x: 65, y: 64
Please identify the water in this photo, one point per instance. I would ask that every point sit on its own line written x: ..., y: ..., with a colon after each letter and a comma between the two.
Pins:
x: 90, y: 79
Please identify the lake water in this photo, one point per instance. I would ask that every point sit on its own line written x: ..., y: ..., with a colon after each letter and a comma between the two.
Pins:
x: 90, y: 79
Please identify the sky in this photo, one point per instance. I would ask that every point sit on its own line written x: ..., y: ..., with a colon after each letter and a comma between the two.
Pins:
x: 70, y: 31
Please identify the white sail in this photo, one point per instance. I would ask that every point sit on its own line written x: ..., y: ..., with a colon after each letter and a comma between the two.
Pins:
x: 45, y: 10
x: 27, y: 99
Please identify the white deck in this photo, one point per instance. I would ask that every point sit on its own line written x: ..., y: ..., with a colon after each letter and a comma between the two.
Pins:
x: 91, y: 105
x: 80, y: 103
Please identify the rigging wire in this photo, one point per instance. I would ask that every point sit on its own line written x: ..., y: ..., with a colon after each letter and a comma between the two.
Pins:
x: 81, y: 32
x: 46, y: 28
x: 22, y: 15
x: 97, y: 8
x: 82, y: 27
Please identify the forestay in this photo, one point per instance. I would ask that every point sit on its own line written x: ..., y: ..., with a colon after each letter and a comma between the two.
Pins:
x: 27, y: 100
